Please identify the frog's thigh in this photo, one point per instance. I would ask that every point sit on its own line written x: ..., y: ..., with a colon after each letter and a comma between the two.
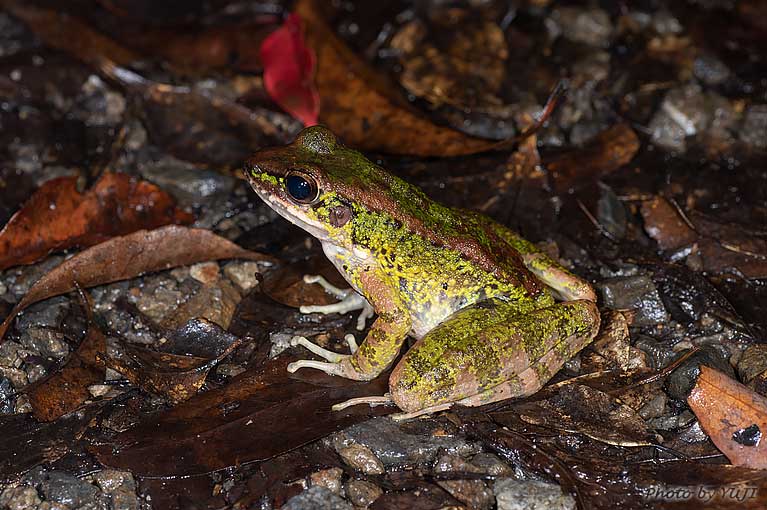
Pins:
x: 489, y: 352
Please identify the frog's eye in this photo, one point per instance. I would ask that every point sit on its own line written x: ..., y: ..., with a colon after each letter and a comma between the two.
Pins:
x: 301, y: 188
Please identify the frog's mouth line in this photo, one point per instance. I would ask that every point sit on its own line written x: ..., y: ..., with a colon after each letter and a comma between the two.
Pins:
x: 275, y: 197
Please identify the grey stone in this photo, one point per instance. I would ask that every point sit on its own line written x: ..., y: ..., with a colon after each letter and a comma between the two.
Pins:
x: 110, y: 480
x: 46, y: 314
x: 590, y: 26
x: 242, y: 274
x: 317, y: 498
x: 754, y: 129
x: 514, y: 494
x: 666, y: 133
x: 361, y: 458
x: 63, y: 488
x: 186, y: 182
x: 47, y: 341
x: 682, y: 380
x: 20, y: 279
x: 636, y: 292
x: 710, y: 70
x: 97, y: 104
x: 7, y: 396
x: 393, y: 446
x: 490, y: 464
x: 19, y: 498
x: 665, y: 23
x: 362, y: 493
x: 328, y: 478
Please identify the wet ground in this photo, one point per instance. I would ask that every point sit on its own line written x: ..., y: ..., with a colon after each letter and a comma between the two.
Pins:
x: 159, y: 381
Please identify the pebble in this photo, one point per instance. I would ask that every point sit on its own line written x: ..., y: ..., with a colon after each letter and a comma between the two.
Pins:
x: 317, y: 498
x: 243, y: 275
x: 361, y: 458
x: 514, y: 494
x: 638, y: 293
x: 328, y: 478
x: 361, y: 493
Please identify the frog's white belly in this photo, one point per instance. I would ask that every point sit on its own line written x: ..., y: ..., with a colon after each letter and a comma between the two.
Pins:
x: 424, y: 316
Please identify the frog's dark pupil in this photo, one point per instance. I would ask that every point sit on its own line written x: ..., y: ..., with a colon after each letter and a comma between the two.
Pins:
x: 299, y: 188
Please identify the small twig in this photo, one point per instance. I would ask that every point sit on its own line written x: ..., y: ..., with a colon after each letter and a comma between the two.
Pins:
x: 595, y: 222
x: 658, y: 375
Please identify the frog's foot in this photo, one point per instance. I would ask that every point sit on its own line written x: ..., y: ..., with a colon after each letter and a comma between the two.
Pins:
x: 337, y: 364
x: 421, y: 412
x: 349, y: 301
x: 387, y: 400
x: 383, y: 400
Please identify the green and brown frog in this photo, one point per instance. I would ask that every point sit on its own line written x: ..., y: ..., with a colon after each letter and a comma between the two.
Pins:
x: 493, y: 316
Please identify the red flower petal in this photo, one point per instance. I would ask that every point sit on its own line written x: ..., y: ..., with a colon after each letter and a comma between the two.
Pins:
x: 289, y: 71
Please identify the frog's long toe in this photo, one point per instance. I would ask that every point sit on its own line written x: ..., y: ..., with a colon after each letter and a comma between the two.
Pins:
x: 324, y: 366
x: 331, y: 356
x: 382, y: 400
x: 326, y: 285
x: 349, y: 301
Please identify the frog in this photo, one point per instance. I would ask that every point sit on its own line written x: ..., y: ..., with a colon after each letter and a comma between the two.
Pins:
x: 492, y: 316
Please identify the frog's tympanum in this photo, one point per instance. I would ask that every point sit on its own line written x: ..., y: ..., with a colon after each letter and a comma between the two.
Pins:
x: 478, y: 298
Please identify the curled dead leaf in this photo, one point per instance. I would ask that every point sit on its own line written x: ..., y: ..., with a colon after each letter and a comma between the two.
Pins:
x: 366, y: 109
x: 65, y: 390
x: 173, y: 372
x: 129, y: 256
x: 733, y: 416
x: 58, y: 216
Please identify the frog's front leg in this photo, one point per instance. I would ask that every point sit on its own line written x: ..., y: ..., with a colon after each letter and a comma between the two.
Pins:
x: 382, y: 343
x: 349, y: 300
x: 491, y: 351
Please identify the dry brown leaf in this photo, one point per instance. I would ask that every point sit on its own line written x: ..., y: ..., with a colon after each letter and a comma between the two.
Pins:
x: 58, y: 216
x: 364, y: 108
x: 175, y: 375
x: 733, y: 416
x: 664, y: 224
x: 65, y: 390
x: 125, y: 257
x: 608, y: 151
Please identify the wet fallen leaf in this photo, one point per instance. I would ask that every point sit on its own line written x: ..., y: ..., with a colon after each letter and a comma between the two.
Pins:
x: 260, y: 414
x: 129, y: 256
x: 25, y: 443
x: 579, y: 408
x: 69, y: 33
x: 608, y: 151
x: 733, y: 416
x: 232, y: 46
x: 721, y: 246
x: 603, y: 479
x: 664, y: 224
x: 65, y: 390
x: 289, y: 71
x: 58, y: 216
x: 197, y: 50
x: 611, y: 349
x: 425, y: 496
x: 752, y: 368
x: 724, y: 246
x: 174, y: 372
x: 198, y: 125
x: 364, y: 108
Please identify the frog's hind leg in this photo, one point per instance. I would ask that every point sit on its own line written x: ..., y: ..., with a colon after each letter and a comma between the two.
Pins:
x: 491, y: 351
